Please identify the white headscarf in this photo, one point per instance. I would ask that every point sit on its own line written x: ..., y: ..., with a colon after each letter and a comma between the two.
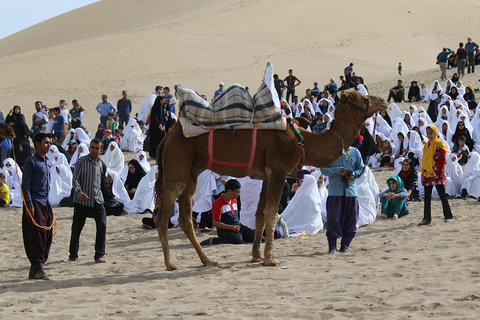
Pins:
x: 395, y: 111
x: 361, y: 89
x: 114, y: 159
x: 250, y: 196
x: 60, y: 184
x: 120, y: 194
x: 77, y: 153
x: 144, y: 162
x: 133, y: 138
x: 303, y: 212
x: 460, y: 87
x: 203, y: 196
x: 13, y: 182
x: 144, y: 195
x: 454, y: 174
x: 82, y: 136
x: 431, y: 95
x: 383, y: 126
x: 471, y: 175
x: 70, y: 136
x: 368, y: 191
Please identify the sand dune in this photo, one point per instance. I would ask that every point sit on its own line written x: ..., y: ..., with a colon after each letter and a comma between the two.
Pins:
x: 114, y: 45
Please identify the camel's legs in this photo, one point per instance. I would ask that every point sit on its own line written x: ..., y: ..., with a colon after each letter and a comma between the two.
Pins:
x: 259, y: 224
x: 185, y: 203
x: 167, y: 201
x: 274, y: 191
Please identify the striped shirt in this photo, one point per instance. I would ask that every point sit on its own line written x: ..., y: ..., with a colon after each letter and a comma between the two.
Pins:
x: 87, y: 178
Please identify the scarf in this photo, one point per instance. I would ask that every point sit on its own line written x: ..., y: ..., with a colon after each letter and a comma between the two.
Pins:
x: 429, y: 149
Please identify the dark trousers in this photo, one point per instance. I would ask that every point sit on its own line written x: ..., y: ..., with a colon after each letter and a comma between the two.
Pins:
x: 342, y: 215
x: 80, y: 214
x: 37, y: 241
x: 290, y: 93
x: 397, y: 97
x: 228, y: 236
x: 123, y: 120
x: 205, y: 219
x: 471, y: 61
x: 427, y: 209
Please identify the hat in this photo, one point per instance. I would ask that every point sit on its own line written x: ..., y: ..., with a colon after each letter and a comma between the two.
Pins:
x: 220, y: 84
x: 107, y: 131
x: 414, y: 82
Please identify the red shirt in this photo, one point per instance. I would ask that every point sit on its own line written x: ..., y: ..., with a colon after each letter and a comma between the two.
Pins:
x: 225, y: 212
x: 440, y: 158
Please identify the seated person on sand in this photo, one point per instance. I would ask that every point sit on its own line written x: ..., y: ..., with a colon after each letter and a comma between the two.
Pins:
x: 112, y: 206
x: 4, y: 191
x: 463, y: 150
x: 394, y: 199
x: 414, y: 92
x: 397, y: 93
x: 135, y: 174
x: 471, y: 177
x: 409, y: 177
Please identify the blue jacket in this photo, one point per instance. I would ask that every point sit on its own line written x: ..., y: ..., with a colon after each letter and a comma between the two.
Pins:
x: 352, y: 160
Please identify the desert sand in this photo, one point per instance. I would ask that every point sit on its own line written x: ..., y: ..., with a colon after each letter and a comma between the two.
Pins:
x: 395, y: 270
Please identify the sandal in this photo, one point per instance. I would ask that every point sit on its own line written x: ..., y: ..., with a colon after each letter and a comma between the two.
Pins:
x: 395, y: 217
x: 424, y: 222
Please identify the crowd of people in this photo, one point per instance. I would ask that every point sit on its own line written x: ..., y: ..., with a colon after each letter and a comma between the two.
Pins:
x: 425, y: 148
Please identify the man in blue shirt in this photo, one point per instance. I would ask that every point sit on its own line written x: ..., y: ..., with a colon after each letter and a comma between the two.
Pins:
x: 104, y: 108
x: 442, y: 59
x: 220, y: 90
x: 471, y: 46
x: 342, y: 203
x: 35, y: 185
x: 124, y: 107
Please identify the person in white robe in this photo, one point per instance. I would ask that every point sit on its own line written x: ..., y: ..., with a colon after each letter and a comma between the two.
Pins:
x: 471, y: 176
x: 443, y: 115
x: 461, y: 88
x: 114, y: 158
x: 303, y: 212
x: 434, y: 91
x: 70, y: 136
x: 476, y: 130
x: 82, y: 136
x: 203, y: 197
x: 146, y: 107
x: 445, y: 134
x: 454, y: 172
x: 132, y: 139
x: 144, y: 195
x: 362, y: 89
x: 368, y: 200
x: 382, y: 125
x: 120, y: 193
x: 421, y: 111
x: 60, y: 184
x: 82, y: 150
x: 13, y: 181
x: 249, y: 197
x: 142, y: 160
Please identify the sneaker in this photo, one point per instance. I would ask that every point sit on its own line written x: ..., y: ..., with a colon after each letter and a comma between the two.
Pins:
x: 72, y: 259
x: 448, y: 220
x: 344, y: 248
x: 332, y: 250
x: 424, y: 222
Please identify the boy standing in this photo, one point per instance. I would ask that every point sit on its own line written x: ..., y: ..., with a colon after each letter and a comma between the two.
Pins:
x: 58, y: 125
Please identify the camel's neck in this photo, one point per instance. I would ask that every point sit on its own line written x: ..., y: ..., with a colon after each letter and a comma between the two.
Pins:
x: 324, y: 148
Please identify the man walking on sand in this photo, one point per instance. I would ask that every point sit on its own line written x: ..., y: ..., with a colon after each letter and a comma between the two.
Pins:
x: 442, y: 59
x: 35, y: 186
x: 88, y: 178
x: 471, y: 46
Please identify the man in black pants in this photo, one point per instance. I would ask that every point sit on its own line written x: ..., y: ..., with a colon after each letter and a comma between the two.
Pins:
x: 88, y: 179
x: 291, y: 82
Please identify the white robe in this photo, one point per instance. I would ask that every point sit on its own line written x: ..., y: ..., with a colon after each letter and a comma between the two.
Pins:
x: 133, y: 137
x: 13, y: 182
x: 60, y: 184
x: 203, y: 196
x: 70, y: 136
x: 361, y: 89
x: 144, y: 195
x: 120, y: 194
x: 368, y: 191
x: 82, y: 136
x: 146, y: 107
x: 471, y: 175
x: 144, y: 162
x: 114, y: 159
x: 79, y: 154
x: 303, y: 212
x: 250, y: 196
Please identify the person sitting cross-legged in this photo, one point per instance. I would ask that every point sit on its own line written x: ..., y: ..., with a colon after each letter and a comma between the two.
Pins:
x: 394, y: 199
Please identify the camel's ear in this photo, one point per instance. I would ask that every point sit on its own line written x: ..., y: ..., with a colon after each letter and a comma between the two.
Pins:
x: 347, y: 96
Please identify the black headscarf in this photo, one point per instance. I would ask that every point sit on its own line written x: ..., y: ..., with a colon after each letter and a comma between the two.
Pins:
x: 24, y: 154
x: 462, y: 132
x: 19, y: 125
x: 387, y: 118
x: 134, y: 178
x: 367, y: 148
x: 99, y: 133
x: 410, y: 180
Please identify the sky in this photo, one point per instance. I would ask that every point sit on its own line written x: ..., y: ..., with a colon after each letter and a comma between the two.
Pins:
x: 16, y: 15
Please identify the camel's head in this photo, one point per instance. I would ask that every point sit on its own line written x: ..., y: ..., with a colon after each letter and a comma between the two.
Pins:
x: 356, y: 103
x: 6, y: 132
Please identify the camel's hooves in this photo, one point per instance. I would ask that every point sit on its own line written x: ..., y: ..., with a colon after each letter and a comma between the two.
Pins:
x: 171, y: 267
x: 210, y: 264
x: 269, y: 263
x: 256, y: 259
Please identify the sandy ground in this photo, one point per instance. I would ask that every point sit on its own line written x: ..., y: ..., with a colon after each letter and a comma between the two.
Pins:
x: 395, y: 270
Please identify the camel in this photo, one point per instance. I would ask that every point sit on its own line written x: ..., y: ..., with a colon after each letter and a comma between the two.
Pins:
x: 6, y: 132
x: 180, y: 160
